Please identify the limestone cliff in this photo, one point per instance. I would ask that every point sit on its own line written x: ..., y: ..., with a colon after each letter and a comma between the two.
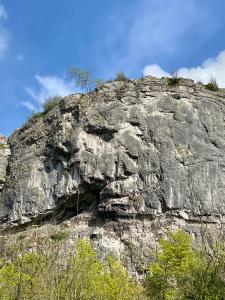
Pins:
x: 123, y: 159
x: 4, y: 154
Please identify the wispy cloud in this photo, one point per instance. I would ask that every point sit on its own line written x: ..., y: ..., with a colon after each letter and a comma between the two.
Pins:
x: 152, y: 28
x: 30, y: 106
x: 48, y: 86
x: 4, y: 33
x: 3, y: 13
x: 212, y: 67
x: 156, y: 26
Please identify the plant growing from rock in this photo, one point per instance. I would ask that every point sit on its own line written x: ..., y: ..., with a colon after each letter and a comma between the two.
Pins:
x: 174, y: 80
x: 212, y: 85
x: 83, y: 79
x: 120, y: 76
x: 3, y: 146
x: 59, y: 236
x: 50, y: 103
x: 47, y: 106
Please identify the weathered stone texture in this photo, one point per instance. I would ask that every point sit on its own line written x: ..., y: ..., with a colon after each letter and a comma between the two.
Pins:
x: 4, y: 154
x: 130, y: 150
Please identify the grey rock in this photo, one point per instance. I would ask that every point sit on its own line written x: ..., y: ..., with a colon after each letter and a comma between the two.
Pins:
x: 139, y: 149
x: 4, y: 155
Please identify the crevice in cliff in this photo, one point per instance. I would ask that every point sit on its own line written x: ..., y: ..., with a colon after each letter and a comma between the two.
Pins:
x: 212, y: 141
x: 86, y: 198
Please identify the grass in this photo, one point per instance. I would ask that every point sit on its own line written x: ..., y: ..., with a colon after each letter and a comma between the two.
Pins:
x: 35, y: 115
x: 59, y: 236
x: 120, y: 76
x: 47, y: 106
x: 51, y: 103
x: 212, y: 85
x: 173, y: 81
x: 3, y: 146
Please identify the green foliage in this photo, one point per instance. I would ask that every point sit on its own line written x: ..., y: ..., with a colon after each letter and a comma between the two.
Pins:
x: 212, y: 85
x: 48, y: 273
x: 59, y: 236
x: 173, y: 81
x: 44, y: 268
x: 35, y: 116
x: 3, y: 146
x: 47, y: 106
x: 118, y: 283
x: 120, y: 76
x: 181, y: 272
x: 172, y: 265
x: 50, y: 103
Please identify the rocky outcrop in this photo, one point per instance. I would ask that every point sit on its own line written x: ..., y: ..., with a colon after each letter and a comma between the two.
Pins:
x: 4, y: 154
x: 120, y: 165
x: 133, y: 149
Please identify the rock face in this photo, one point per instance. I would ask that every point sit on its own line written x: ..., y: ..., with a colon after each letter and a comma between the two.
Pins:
x: 135, y: 149
x: 120, y: 165
x: 4, y: 154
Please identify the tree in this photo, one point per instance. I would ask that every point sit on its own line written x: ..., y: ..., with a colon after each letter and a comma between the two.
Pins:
x: 47, y: 272
x: 181, y: 272
x: 83, y: 79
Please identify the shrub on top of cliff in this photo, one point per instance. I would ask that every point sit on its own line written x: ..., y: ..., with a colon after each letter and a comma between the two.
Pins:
x: 120, y: 76
x: 83, y: 79
x: 174, y: 80
x: 34, y: 116
x: 50, y: 103
x: 47, y: 106
x: 212, y: 85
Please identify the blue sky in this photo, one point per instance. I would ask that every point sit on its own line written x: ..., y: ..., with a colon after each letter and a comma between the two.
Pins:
x: 39, y: 40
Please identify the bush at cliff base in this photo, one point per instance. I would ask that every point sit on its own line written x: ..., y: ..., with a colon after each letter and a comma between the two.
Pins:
x: 47, y: 270
x: 180, y: 272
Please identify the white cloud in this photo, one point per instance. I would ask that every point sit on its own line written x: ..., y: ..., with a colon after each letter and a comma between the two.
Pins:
x: 155, y: 70
x: 29, y: 105
x: 145, y: 30
x: 49, y: 86
x: 152, y: 28
x: 212, y: 67
x: 3, y: 13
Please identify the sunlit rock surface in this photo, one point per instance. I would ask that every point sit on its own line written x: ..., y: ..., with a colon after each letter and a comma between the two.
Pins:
x: 137, y: 148
x: 123, y: 159
x: 4, y: 154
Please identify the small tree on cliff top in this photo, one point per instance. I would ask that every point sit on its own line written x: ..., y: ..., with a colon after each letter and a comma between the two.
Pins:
x: 83, y: 79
